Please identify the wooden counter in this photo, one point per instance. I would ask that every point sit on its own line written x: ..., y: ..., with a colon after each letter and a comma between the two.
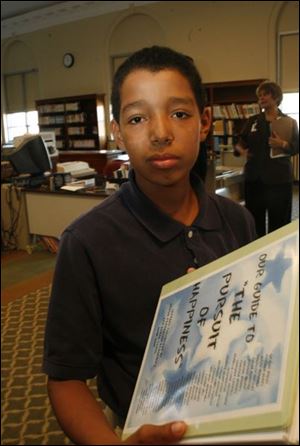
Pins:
x: 49, y: 213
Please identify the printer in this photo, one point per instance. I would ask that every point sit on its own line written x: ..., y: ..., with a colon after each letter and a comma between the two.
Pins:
x: 77, y: 169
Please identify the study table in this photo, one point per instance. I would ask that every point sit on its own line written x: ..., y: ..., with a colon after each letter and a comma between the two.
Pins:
x: 29, y: 212
x: 49, y: 213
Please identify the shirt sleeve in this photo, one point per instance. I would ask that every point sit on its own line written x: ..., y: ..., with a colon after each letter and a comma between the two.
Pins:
x: 73, y: 336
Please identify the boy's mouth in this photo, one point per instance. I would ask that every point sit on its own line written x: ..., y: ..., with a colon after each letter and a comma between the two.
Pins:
x: 163, y: 161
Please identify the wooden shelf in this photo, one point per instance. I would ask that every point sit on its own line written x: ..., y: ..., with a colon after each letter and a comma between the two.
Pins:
x: 232, y: 102
x: 239, y: 92
x: 85, y: 111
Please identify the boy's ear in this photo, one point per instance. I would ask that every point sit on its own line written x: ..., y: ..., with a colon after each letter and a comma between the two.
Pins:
x: 205, y: 123
x: 115, y: 130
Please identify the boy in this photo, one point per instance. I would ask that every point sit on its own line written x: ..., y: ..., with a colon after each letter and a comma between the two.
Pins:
x: 114, y: 260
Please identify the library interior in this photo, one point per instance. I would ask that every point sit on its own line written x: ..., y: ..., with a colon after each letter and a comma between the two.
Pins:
x: 60, y: 158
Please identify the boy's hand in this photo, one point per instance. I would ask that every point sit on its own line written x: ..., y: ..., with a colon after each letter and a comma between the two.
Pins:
x: 190, y: 270
x: 152, y: 434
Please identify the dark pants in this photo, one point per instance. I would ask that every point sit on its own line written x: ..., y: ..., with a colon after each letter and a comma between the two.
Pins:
x: 271, y: 200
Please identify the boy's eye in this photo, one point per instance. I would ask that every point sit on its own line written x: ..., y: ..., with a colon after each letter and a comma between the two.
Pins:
x: 181, y: 114
x: 135, y: 120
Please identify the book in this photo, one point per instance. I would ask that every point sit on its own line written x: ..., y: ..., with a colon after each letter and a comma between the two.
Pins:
x: 222, y: 353
x: 283, y: 126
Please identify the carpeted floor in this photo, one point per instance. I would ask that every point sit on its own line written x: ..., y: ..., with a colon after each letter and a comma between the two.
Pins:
x: 27, y: 417
x: 26, y: 414
x: 22, y: 273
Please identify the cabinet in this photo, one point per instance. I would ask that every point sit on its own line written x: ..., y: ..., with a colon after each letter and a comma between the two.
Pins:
x: 231, y: 103
x: 77, y: 121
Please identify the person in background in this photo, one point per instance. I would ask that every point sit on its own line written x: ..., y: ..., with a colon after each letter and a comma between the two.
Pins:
x: 114, y: 260
x: 268, y: 181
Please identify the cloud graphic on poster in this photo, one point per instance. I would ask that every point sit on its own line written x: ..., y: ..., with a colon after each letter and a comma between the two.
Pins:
x: 276, y: 268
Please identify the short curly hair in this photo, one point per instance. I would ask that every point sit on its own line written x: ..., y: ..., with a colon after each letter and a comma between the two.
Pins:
x: 271, y: 88
x: 155, y: 59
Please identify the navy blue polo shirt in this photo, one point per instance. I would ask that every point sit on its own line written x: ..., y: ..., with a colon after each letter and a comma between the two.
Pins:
x: 110, y: 269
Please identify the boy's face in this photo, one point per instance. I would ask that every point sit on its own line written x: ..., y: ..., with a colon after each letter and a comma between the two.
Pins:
x: 160, y: 126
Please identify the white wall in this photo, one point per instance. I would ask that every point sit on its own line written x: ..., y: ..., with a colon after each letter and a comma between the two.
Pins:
x: 230, y: 40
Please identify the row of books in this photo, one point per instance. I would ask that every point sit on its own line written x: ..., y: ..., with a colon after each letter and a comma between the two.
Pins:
x: 83, y: 143
x: 77, y: 117
x: 76, y: 130
x: 56, y: 130
x: 48, y: 120
x: 71, y: 131
x: 235, y: 111
x: 77, y: 144
x: 51, y: 108
x: 58, y: 108
x: 60, y: 119
x: 221, y: 128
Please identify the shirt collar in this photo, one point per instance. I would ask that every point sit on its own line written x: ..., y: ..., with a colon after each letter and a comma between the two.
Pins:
x: 163, y: 227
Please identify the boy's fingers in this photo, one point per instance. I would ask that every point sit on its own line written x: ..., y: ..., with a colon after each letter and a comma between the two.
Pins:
x: 151, y: 434
x: 190, y: 270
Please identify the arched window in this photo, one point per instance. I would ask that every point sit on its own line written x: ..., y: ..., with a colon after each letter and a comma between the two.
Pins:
x: 288, y: 58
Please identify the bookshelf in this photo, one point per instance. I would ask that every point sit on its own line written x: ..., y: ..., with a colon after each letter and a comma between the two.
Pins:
x: 77, y: 121
x: 79, y: 126
x: 232, y: 103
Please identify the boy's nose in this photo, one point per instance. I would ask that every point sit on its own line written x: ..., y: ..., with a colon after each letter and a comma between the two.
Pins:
x: 163, y: 141
x: 161, y: 133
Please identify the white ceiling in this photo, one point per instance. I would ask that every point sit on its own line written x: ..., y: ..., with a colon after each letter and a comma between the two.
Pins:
x: 12, y: 9
x: 23, y: 17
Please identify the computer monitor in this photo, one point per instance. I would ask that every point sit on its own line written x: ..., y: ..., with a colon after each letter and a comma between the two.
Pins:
x: 30, y: 156
x: 50, y: 141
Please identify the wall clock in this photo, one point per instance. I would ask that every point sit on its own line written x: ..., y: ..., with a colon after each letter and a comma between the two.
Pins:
x: 68, y: 60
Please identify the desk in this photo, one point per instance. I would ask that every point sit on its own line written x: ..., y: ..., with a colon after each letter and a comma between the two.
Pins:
x: 49, y: 213
x: 230, y: 182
